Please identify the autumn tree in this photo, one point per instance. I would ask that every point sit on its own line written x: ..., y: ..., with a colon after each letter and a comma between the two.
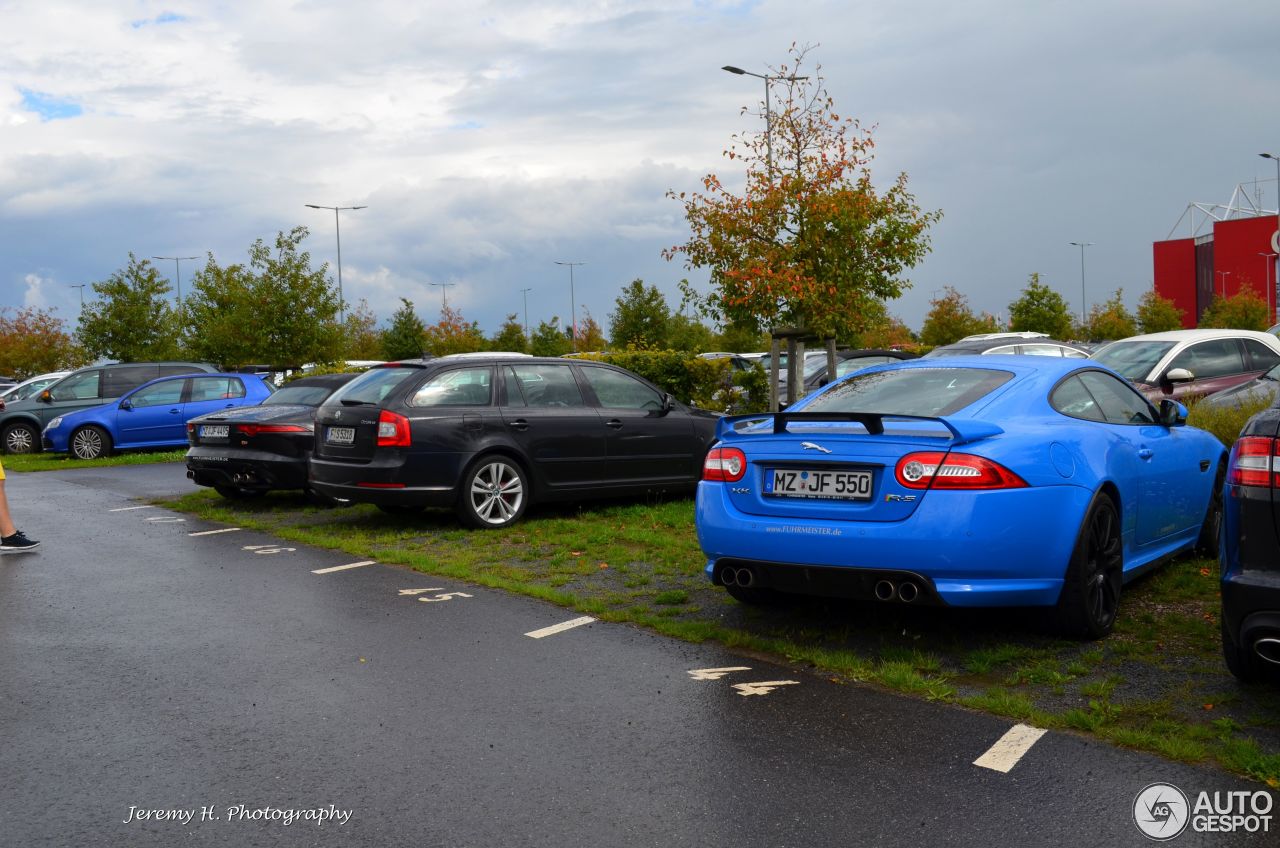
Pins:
x: 1110, y: 320
x: 1244, y: 310
x: 275, y: 310
x: 590, y: 336
x: 639, y: 318
x: 33, y: 341
x: 131, y: 320
x: 1040, y: 309
x: 360, y: 336
x: 510, y: 337
x: 950, y: 319
x: 549, y: 340
x: 403, y: 338
x: 453, y: 334
x: 809, y: 239
x: 1156, y: 314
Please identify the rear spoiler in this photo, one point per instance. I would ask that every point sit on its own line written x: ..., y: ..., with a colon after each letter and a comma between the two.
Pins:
x: 963, y: 430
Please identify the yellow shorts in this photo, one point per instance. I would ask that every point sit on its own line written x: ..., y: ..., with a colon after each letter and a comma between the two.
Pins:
x: 1, y: 471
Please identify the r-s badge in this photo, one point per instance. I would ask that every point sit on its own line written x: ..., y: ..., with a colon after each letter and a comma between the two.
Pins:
x: 899, y: 498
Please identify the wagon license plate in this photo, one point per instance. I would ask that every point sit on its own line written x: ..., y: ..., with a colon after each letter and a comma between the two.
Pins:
x: 340, y: 435
x: 813, y: 483
x: 214, y: 431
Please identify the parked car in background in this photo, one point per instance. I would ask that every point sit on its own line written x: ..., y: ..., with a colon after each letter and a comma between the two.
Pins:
x: 153, y: 415
x: 1191, y: 363
x: 964, y: 481
x: 22, y: 421
x: 847, y: 361
x: 1018, y: 344
x: 251, y: 450
x: 1250, y: 553
x: 1263, y: 388
x: 30, y: 386
x: 488, y: 435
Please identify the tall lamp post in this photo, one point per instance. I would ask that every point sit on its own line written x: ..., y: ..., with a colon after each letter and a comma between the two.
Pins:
x: 525, y: 292
x: 573, y: 303
x: 1082, y: 245
x: 342, y: 314
x: 1275, y: 240
x: 1266, y: 273
x: 768, y: 111
x: 1223, y: 275
x: 444, y: 294
x: 81, y: 287
x: 177, y: 272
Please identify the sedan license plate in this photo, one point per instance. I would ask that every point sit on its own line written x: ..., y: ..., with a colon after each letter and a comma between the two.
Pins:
x: 340, y: 435
x: 813, y: 483
x: 214, y: 431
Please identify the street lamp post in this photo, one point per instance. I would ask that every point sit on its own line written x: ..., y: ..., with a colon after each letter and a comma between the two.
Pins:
x: 342, y: 314
x: 1266, y: 273
x: 81, y: 287
x: 768, y: 111
x: 1224, y: 275
x: 177, y: 272
x: 1275, y: 240
x: 573, y: 305
x: 444, y: 294
x: 525, y: 292
x: 1082, y: 245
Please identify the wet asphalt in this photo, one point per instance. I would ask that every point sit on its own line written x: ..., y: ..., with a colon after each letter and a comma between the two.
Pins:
x: 217, y: 676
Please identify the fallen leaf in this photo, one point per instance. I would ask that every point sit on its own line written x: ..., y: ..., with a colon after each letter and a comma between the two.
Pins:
x: 604, y: 565
x: 575, y: 553
x: 1204, y: 572
x: 1208, y: 706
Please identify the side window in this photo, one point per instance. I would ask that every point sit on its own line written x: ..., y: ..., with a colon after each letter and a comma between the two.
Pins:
x: 1264, y: 358
x: 845, y: 366
x: 174, y: 370
x: 515, y: 395
x: 118, y: 379
x: 78, y: 387
x: 215, y: 388
x: 1217, y: 358
x: 1120, y: 403
x: 459, y: 387
x: 1004, y: 349
x: 161, y: 394
x: 548, y: 386
x: 1041, y: 350
x: 621, y: 391
x: 1073, y: 399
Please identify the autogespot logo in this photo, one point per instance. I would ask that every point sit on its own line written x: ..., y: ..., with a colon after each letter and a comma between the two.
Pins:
x: 1161, y: 812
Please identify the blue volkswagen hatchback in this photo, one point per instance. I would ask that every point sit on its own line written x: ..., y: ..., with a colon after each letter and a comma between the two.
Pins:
x: 966, y: 481
x: 153, y: 415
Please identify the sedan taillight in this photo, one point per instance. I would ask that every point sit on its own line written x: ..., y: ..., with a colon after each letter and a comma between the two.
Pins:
x: 937, y: 470
x: 393, y: 430
x: 255, y: 429
x: 726, y: 465
x: 1255, y: 461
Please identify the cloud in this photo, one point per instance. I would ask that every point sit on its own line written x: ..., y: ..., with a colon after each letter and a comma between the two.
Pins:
x: 34, y: 295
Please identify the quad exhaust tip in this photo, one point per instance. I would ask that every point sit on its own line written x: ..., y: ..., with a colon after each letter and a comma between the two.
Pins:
x: 744, y: 577
x: 887, y: 590
x: 1268, y: 647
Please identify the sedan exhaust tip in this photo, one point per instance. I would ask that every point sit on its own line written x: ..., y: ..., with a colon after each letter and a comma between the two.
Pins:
x: 908, y: 592
x: 886, y: 591
x: 1268, y: 647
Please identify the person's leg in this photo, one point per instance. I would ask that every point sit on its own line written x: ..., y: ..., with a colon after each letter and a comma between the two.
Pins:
x: 6, y: 521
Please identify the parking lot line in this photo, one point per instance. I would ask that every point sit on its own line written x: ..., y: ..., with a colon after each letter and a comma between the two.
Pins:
x: 1009, y: 748
x: 211, y: 532
x: 129, y: 508
x: 560, y: 628
x: 360, y: 564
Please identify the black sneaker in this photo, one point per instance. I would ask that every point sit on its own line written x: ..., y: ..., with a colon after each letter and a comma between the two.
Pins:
x: 17, y: 543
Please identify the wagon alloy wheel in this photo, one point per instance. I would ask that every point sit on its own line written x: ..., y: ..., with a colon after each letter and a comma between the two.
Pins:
x: 494, y: 493
x: 21, y: 438
x: 90, y: 443
x: 1091, y: 591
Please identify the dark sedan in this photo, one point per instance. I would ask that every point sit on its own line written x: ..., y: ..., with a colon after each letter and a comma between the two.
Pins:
x: 490, y: 435
x: 254, y: 449
x: 1250, y: 551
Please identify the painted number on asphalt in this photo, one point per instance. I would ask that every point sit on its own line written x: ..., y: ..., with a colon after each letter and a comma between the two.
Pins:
x: 716, y: 673
x: 763, y: 687
x: 267, y: 549
x: 447, y: 596
x: 160, y: 519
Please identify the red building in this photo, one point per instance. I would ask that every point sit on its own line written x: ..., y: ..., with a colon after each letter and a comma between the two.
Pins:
x: 1236, y: 255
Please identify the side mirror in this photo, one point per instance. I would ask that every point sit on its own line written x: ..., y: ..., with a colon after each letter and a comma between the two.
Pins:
x: 126, y: 404
x: 668, y: 403
x: 1172, y: 413
x: 45, y: 397
x: 1178, y: 375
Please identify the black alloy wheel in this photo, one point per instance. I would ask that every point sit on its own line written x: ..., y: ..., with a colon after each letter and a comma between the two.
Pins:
x: 21, y: 438
x: 1091, y: 591
x: 495, y: 492
x: 90, y: 443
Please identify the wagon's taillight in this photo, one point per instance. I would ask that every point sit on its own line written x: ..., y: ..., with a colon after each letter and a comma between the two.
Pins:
x: 393, y: 430
x: 1255, y: 461
x: 724, y: 464
x: 938, y: 470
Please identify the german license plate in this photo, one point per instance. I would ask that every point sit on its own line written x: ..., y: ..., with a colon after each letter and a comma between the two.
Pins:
x: 340, y: 435
x: 816, y: 483
x: 214, y: 431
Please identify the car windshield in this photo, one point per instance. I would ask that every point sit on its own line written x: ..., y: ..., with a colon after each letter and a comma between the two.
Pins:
x: 371, y: 386
x: 1132, y: 360
x: 299, y: 396
x: 928, y: 392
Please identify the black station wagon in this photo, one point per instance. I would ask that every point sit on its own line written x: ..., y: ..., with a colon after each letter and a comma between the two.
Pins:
x: 490, y: 434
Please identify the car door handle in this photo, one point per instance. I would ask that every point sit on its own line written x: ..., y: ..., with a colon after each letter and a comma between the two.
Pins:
x: 1145, y: 453
x: 518, y: 424
x: 613, y: 423
x: 174, y: 411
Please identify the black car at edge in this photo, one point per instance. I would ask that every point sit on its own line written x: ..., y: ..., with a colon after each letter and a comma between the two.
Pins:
x: 488, y: 434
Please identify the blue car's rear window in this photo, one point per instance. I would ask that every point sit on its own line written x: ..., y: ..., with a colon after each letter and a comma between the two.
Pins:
x: 929, y: 392
x: 372, y: 386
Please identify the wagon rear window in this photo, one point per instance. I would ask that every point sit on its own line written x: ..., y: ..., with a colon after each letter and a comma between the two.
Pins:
x: 910, y: 391
x: 372, y: 386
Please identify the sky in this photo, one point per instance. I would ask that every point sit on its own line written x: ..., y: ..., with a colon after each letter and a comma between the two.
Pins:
x: 489, y: 140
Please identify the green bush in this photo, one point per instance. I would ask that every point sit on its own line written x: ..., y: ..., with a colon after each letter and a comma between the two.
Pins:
x: 1226, y: 422
x: 708, y: 383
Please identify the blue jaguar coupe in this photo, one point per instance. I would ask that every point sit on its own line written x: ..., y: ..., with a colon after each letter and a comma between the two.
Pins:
x: 968, y: 481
